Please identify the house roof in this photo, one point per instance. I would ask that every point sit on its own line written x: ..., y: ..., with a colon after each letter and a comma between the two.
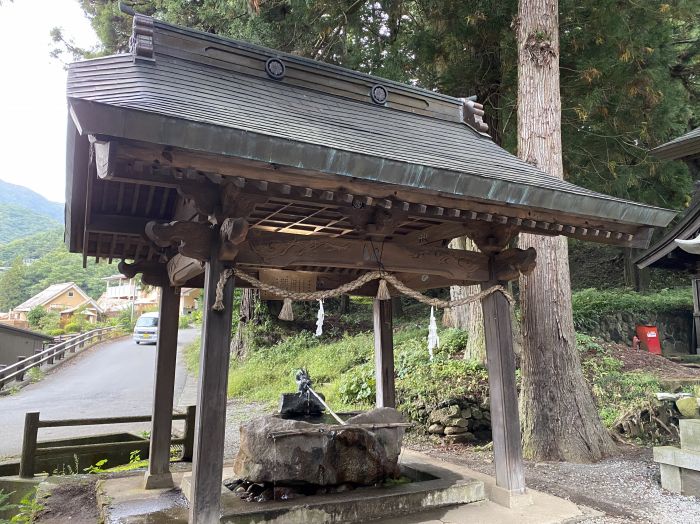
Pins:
x: 25, y: 332
x: 48, y: 294
x: 685, y: 146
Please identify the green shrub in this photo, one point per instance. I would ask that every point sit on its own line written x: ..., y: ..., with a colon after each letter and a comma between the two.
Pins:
x: 358, y: 386
x: 184, y: 322
x: 590, y: 305
x: 55, y: 332
x: 72, y: 327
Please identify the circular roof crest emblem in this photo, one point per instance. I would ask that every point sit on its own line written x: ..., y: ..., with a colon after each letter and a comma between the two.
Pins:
x: 379, y: 94
x: 274, y: 67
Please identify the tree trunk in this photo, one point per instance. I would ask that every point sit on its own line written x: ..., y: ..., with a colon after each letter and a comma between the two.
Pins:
x: 469, y: 317
x: 559, y: 417
x: 239, y: 342
x: 343, y: 304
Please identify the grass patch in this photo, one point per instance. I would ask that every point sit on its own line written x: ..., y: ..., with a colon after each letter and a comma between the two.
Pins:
x: 616, y: 391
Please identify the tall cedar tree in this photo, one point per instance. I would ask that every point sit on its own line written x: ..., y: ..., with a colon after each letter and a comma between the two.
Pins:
x: 559, y: 417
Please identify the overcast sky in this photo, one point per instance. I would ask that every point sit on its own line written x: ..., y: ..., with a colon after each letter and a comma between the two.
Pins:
x: 33, y: 92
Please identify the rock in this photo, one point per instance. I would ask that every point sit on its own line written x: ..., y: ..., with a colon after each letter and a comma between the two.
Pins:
x: 232, y: 483
x: 483, y: 435
x: 688, y: 406
x: 476, y: 414
x: 487, y: 415
x: 436, y: 429
x: 461, y: 438
x: 442, y: 415
x: 355, y: 456
x: 458, y: 422
x: 265, y: 496
x: 255, y: 489
x: 285, y: 493
x: 454, y: 430
x: 467, y: 413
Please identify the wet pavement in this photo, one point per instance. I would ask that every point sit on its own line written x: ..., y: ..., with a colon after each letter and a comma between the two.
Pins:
x: 112, y: 379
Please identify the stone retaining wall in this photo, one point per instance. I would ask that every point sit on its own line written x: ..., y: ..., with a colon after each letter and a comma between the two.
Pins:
x: 461, y: 421
x: 675, y: 331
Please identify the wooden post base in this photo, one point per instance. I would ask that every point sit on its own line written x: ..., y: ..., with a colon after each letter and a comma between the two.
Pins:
x: 158, y: 481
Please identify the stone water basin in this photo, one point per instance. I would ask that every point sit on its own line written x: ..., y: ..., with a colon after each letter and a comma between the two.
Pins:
x: 313, y: 451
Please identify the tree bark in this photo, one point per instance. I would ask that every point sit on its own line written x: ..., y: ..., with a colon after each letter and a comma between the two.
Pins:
x: 239, y: 342
x: 559, y: 417
x: 469, y: 317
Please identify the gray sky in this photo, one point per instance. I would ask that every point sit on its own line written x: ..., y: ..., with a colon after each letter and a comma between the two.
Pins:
x: 33, y: 92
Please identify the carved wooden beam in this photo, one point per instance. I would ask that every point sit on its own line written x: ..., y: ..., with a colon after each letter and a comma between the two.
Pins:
x: 192, y: 239
x: 436, y: 234
x: 293, y: 251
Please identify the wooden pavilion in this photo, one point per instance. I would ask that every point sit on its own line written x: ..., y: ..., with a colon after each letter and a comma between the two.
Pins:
x: 678, y: 249
x: 196, y: 153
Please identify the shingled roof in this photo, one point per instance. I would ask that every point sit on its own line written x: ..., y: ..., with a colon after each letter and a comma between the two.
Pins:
x: 685, y: 146
x: 194, y: 91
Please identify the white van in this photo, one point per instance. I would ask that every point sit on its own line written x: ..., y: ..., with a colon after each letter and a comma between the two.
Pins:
x: 146, y: 329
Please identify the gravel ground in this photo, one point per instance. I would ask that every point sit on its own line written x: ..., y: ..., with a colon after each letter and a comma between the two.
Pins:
x: 238, y: 411
x: 626, y: 488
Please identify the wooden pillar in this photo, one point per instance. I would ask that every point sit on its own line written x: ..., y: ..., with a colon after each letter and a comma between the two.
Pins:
x: 208, y: 460
x: 505, y: 423
x: 384, y: 354
x: 158, y: 474
x: 696, y: 314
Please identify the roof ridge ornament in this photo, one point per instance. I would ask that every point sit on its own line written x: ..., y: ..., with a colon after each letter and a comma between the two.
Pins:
x: 141, y: 41
x: 472, y: 115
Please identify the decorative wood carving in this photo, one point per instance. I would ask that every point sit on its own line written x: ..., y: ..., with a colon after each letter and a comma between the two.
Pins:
x: 152, y: 273
x: 192, y: 239
x: 385, y: 221
x: 233, y: 232
x: 511, y: 263
x: 204, y: 194
x: 493, y: 238
x: 237, y: 203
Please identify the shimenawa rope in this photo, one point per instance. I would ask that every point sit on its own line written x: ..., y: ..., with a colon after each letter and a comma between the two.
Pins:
x: 382, y: 294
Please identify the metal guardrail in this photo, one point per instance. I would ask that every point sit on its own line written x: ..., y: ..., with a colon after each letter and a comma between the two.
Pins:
x: 32, y: 423
x: 50, y: 354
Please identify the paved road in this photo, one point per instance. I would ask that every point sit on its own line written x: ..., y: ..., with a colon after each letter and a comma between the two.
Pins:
x: 111, y: 379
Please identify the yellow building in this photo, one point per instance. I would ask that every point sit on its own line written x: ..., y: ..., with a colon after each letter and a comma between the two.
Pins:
x: 65, y: 298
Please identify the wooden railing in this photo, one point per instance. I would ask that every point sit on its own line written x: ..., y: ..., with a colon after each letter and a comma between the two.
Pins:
x: 49, y: 355
x: 32, y: 423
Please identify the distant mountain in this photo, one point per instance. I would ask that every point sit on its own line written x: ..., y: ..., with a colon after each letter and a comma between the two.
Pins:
x: 31, y: 247
x: 12, y: 194
x: 24, y: 212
